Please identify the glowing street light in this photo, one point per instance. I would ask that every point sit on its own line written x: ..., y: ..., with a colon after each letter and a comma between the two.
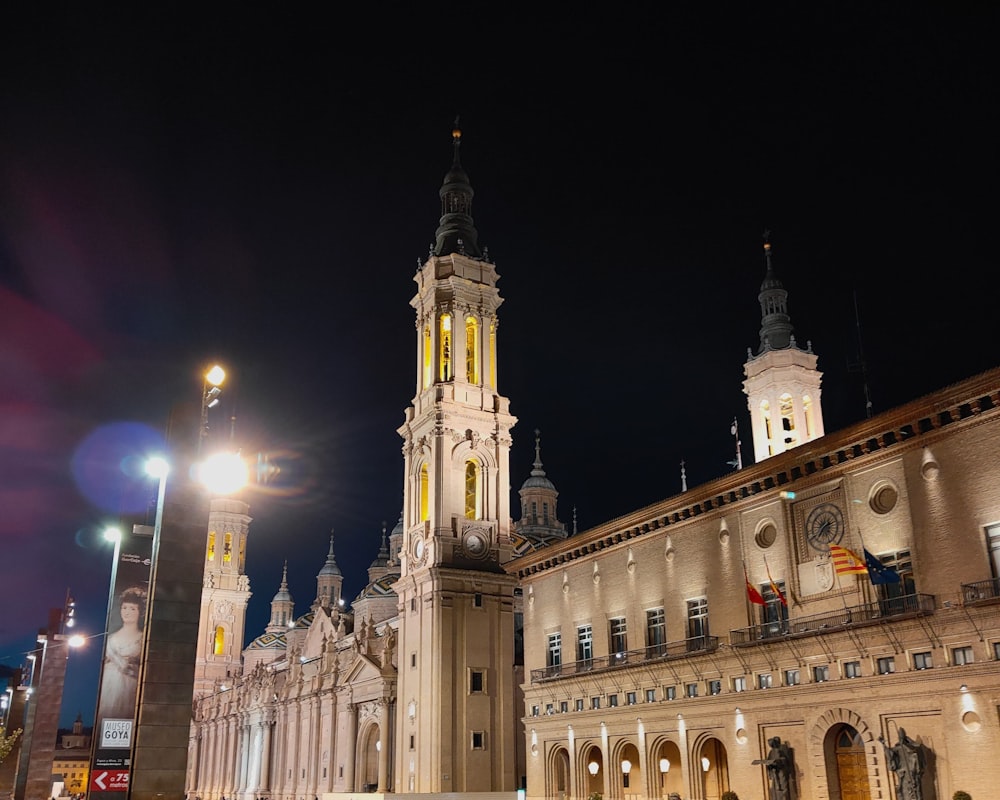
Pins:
x: 664, y: 769
x: 626, y: 769
x: 209, y: 398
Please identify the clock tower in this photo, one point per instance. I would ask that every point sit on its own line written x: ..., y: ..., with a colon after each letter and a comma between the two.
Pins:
x: 782, y: 383
x: 456, y: 686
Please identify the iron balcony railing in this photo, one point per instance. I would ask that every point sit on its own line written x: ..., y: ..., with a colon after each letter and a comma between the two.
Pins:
x: 981, y: 591
x: 658, y: 652
x: 908, y: 605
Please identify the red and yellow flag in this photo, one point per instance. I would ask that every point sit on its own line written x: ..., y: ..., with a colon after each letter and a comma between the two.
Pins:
x: 847, y: 562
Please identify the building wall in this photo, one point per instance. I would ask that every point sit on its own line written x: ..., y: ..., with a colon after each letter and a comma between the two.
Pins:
x: 939, y: 457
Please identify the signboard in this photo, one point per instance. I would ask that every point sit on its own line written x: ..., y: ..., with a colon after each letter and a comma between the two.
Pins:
x: 109, y: 780
x: 118, y: 692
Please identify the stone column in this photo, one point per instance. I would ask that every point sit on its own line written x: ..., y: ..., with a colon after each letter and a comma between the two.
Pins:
x: 264, y: 785
x: 383, y: 738
x: 351, y: 749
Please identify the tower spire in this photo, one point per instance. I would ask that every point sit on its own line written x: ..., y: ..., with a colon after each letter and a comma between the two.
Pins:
x: 775, y: 324
x: 456, y: 232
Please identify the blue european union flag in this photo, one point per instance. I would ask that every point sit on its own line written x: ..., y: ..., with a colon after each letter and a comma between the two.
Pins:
x: 879, y: 572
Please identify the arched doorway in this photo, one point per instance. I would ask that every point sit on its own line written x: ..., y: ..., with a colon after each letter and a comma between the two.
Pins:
x: 846, y: 764
x: 559, y: 774
x: 667, y: 766
x: 713, y: 764
x: 592, y: 778
x: 628, y: 775
x: 367, y: 774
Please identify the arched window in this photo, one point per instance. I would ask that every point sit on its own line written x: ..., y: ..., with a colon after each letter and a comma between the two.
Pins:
x: 227, y: 550
x: 807, y: 407
x: 425, y: 511
x: 445, y: 373
x: 471, y: 350
x: 765, y: 411
x: 211, y: 546
x: 788, y: 420
x: 220, y: 641
x: 472, y: 490
x: 428, y: 359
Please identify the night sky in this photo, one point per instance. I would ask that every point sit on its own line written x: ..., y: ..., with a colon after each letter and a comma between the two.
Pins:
x: 257, y: 190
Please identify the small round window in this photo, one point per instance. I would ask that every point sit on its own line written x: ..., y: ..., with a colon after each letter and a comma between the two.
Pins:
x: 883, y: 498
x: 766, y: 536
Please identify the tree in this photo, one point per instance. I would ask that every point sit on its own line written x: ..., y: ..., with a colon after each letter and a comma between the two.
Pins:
x: 7, y: 744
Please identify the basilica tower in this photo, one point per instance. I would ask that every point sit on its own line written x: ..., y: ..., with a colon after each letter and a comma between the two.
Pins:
x: 782, y: 383
x: 456, y: 687
x: 224, y: 596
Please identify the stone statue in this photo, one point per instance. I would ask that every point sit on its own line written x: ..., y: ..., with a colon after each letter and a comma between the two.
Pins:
x: 906, y: 758
x: 779, y: 769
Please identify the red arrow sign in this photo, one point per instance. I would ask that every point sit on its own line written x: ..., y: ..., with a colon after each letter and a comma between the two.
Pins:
x: 109, y: 780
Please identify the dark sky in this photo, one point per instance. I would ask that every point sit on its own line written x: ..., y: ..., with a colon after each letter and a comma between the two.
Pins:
x: 257, y: 190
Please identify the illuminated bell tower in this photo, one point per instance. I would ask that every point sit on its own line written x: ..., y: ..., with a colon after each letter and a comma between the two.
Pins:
x: 456, y: 649
x: 782, y: 383
x: 224, y: 596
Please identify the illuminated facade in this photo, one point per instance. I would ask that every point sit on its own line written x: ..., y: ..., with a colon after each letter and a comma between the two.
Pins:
x: 660, y: 640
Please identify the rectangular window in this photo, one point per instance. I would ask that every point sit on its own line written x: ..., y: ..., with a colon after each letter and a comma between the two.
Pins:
x: 413, y: 604
x: 792, y: 677
x: 563, y: 707
x: 656, y: 632
x: 764, y: 680
x: 697, y: 628
x: 897, y: 598
x: 579, y: 704
x: 996, y: 651
x: 821, y: 674
x: 479, y: 740
x: 922, y: 660
x: 612, y: 701
x: 617, y: 630
x: 476, y: 682
x: 584, y: 644
x: 534, y: 711
x: 774, y: 613
x: 961, y: 656
x: 993, y: 548
x: 550, y: 709
x: 651, y: 695
x: 852, y: 669
x: 691, y: 690
x: 740, y: 683
x: 553, y: 656
x: 413, y: 660
x: 715, y: 687
x: 886, y: 665
x: 595, y: 702
x: 477, y: 600
x: 630, y: 698
x: 671, y: 693
x: 413, y: 741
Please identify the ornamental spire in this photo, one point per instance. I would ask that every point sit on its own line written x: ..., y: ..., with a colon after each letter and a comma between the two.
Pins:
x: 456, y: 232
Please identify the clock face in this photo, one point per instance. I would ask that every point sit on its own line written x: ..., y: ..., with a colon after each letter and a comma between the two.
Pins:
x: 824, y: 526
x: 476, y: 544
x: 418, y: 549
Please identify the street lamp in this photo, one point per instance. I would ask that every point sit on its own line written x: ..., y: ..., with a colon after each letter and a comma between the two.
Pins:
x: 210, y: 392
x: 592, y: 768
x: 664, y: 769
x: 626, y: 769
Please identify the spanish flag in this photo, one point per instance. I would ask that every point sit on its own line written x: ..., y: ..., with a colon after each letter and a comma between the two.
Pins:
x: 752, y: 592
x: 847, y: 562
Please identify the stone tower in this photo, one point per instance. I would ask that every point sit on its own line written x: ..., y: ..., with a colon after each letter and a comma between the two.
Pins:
x: 224, y: 597
x: 782, y: 383
x: 456, y: 688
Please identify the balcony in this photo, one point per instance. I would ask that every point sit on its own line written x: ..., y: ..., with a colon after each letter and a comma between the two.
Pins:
x: 654, y: 653
x: 981, y: 592
x: 909, y: 605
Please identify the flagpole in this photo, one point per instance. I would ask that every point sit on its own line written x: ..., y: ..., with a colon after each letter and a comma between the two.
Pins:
x: 864, y: 550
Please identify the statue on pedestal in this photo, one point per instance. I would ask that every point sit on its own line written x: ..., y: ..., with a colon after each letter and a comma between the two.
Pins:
x: 779, y: 769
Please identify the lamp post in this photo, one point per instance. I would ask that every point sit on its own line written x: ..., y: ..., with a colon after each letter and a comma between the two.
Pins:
x: 664, y: 769
x: 626, y: 769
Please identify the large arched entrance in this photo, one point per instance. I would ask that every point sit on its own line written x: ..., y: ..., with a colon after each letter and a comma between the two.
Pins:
x: 592, y: 777
x: 846, y: 764
x: 367, y: 774
x: 667, y: 765
x: 713, y: 764
x: 558, y: 773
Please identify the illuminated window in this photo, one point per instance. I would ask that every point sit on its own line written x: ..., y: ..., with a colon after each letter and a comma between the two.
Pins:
x: 554, y: 653
x: 472, y: 493
x: 656, y: 632
x: 428, y: 359
x: 788, y: 420
x: 471, y: 350
x: 227, y: 549
x: 584, y: 643
x: 211, y: 546
x: 618, y: 635
x: 220, y: 641
x: 445, y: 373
x: 923, y: 660
x: 425, y: 511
